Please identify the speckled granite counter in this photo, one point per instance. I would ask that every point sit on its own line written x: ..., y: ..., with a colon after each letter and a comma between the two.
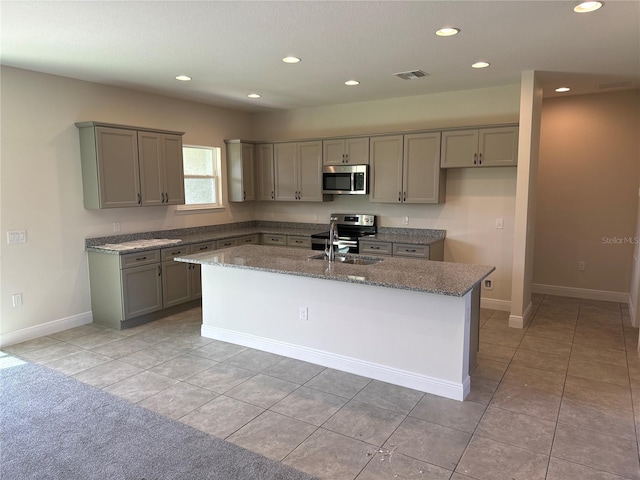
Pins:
x: 442, y: 278
x: 408, y: 236
x: 190, y: 236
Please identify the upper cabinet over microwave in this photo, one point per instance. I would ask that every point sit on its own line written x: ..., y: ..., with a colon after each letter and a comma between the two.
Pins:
x: 129, y: 166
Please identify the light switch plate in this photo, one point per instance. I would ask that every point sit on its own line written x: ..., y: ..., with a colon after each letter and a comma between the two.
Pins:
x: 17, y: 236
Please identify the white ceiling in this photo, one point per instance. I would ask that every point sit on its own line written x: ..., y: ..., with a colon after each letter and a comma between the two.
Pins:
x: 233, y: 48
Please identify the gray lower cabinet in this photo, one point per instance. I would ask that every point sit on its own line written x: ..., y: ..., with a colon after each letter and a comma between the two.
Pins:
x: 274, y: 239
x: 124, y: 287
x: 229, y: 242
x: 177, y: 277
x: 298, y: 241
x: 435, y: 251
x: 249, y: 240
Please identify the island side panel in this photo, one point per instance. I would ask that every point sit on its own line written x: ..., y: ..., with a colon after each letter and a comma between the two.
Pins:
x: 414, y: 339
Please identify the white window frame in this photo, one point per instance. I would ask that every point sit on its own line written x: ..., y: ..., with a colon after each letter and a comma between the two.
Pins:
x: 217, y: 177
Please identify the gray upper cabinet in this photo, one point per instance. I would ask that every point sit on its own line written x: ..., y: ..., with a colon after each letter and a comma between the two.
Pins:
x: 422, y: 178
x: 265, y: 167
x: 161, y: 169
x: 298, y: 171
x: 241, y: 171
x: 483, y: 147
x: 354, y: 151
x: 406, y: 169
x: 129, y: 166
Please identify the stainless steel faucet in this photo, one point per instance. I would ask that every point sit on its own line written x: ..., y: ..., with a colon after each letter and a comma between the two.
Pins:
x: 333, y: 235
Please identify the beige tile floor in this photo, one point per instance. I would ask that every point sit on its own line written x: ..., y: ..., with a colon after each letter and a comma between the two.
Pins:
x: 559, y: 400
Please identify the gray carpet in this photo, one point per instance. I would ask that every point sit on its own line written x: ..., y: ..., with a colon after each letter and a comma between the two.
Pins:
x: 54, y: 427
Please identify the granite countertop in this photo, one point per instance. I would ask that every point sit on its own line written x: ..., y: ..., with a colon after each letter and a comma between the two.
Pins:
x: 444, y: 278
x: 138, y: 242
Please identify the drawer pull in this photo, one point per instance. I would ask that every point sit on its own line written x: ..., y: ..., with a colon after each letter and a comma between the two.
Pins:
x: 410, y: 250
x: 139, y: 259
x: 375, y: 248
x: 203, y: 248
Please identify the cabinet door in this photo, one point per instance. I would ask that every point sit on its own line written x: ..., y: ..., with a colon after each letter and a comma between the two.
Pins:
x: 310, y: 171
x: 176, y: 283
x: 498, y: 147
x: 459, y: 149
x: 286, y: 171
x: 357, y: 151
x: 151, y: 168
x: 333, y: 152
x: 422, y: 178
x: 265, y: 167
x: 386, y: 169
x: 173, y: 169
x: 248, y: 176
x: 118, y: 172
x: 141, y: 290
x: 196, y: 280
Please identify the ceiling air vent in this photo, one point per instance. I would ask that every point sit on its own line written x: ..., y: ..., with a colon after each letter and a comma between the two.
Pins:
x: 411, y: 74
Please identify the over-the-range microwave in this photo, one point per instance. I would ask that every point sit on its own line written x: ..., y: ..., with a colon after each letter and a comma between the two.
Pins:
x: 345, y: 179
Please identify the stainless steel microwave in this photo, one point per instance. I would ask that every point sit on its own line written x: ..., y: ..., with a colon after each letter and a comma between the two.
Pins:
x: 345, y: 179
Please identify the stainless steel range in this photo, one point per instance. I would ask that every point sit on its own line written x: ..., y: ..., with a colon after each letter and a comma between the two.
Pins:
x: 351, y: 227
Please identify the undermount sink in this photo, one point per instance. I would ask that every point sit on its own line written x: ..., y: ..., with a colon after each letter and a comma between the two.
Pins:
x: 349, y: 260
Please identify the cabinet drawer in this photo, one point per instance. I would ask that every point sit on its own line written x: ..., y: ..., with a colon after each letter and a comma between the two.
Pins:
x: 249, y: 240
x: 298, y: 241
x: 409, y: 250
x: 376, y: 248
x: 139, y: 258
x: 269, y: 239
x: 229, y: 242
x: 202, y: 247
x: 170, y: 253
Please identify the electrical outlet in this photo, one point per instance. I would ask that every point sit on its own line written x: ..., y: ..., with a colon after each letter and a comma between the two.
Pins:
x: 16, y: 299
x: 499, y: 223
x: 116, y: 227
x: 488, y: 284
x: 582, y: 265
x: 405, y: 221
x: 304, y: 313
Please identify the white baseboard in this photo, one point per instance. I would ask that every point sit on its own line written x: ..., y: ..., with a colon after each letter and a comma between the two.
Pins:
x: 364, y: 368
x: 44, y: 329
x: 517, y: 321
x: 587, y: 294
x: 493, y: 304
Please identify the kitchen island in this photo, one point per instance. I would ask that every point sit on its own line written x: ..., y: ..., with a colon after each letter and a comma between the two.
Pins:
x: 406, y: 322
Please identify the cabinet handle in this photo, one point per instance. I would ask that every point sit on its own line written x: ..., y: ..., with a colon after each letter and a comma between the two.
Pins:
x: 139, y: 199
x: 404, y: 197
x: 399, y: 197
x: 139, y: 259
x: 176, y: 253
x: 244, y: 195
x: 410, y: 250
x: 480, y: 159
x: 272, y: 195
x: 374, y: 248
x: 203, y: 248
x: 475, y: 158
x: 159, y: 270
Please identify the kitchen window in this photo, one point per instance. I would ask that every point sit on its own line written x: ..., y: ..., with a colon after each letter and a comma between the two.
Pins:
x: 202, y: 186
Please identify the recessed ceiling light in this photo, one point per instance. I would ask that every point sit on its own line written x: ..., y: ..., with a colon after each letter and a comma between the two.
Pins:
x: 447, y: 31
x: 586, y: 7
x: 183, y: 78
x: 291, y: 60
x: 352, y: 82
x: 254, y: 95
x: 562, y: 89
x: 481, y: 65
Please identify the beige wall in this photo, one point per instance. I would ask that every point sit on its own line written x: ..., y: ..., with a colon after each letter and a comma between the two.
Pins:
x: 475, y: 197
x: 42, y: 188
x: 587, y: 190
